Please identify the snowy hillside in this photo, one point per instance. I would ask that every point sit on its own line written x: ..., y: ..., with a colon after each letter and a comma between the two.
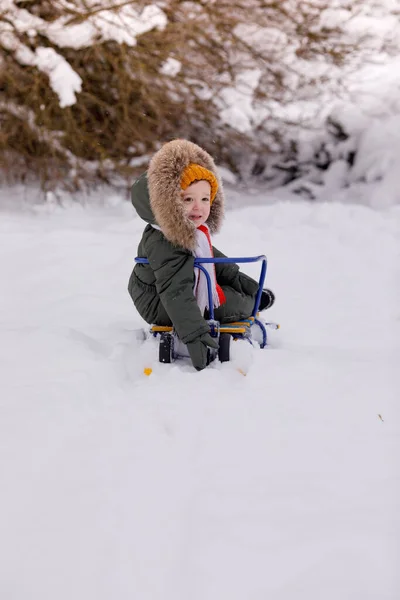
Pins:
x: 282, y: 483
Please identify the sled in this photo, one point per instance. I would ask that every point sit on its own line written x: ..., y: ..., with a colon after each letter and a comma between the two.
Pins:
x: 251, y: 329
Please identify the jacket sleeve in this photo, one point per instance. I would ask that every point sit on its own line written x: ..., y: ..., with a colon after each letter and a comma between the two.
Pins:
x: 174, y: 273
x: 230, y: 274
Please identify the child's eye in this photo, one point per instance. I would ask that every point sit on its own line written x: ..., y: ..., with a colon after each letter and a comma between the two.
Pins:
x: 188, y: 199
x: 205, y: 199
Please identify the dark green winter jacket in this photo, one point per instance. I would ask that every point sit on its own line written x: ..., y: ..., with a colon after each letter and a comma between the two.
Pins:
x: 162, y: 290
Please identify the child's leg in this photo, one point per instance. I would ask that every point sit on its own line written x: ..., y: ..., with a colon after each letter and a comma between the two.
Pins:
x: 237, y: 306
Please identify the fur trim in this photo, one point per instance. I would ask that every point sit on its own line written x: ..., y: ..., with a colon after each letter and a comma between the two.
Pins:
x: 164, y: 181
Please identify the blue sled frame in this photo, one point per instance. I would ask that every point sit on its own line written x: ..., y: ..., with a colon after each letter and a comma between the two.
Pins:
x: 215, y: 325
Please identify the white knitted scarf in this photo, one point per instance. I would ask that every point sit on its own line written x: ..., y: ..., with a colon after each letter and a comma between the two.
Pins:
x: 204, y: 250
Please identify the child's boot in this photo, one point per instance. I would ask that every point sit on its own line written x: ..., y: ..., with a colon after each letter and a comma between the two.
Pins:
x: 267, y: 299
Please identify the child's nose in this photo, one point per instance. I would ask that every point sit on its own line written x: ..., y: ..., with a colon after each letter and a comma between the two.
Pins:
x: 197, y: 204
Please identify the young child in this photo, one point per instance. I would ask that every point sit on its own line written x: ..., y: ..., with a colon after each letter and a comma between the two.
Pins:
x: 181, y: 198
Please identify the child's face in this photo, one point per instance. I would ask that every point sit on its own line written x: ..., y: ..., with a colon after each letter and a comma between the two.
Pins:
x: 196, y: 202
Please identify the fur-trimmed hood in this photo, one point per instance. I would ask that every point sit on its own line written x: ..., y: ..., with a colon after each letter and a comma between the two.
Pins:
x: 164, y: 186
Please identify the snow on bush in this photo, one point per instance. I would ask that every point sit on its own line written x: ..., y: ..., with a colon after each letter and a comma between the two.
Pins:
x: 349, y: 159
x: 378, y: 160
x: 122, y: 26
x: 109, y: 81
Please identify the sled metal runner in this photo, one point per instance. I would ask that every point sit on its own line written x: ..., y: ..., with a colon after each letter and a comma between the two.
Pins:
x: 237, y: 330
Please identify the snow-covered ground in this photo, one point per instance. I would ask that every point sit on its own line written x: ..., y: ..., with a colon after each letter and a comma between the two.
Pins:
x: 282, y: 483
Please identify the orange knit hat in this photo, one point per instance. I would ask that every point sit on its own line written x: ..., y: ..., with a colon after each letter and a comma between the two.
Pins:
x: 195, y: 172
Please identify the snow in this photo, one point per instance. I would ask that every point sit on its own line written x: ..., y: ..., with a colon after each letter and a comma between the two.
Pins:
x: 283, y: 483
x: 378, y: 160
x: 235, y: 103
x: 375, y: 88
x: 373, y: 178
x: 367, y: 86
x: 63, y: 79
x: 171, y: 67
x: 123, y: 26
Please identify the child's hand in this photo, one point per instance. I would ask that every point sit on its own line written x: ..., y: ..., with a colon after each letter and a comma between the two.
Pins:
x: 267, y: 299
x: 198, y: 350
